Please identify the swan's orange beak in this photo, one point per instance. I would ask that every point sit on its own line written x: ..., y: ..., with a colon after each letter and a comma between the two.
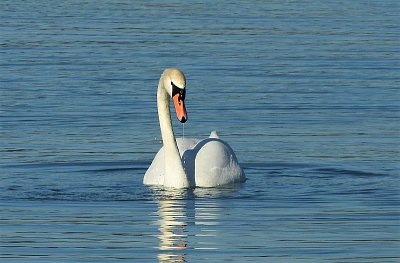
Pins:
x: 180, y: 109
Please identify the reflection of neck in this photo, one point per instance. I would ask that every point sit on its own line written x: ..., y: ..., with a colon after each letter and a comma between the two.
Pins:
x: 172, y: 231
x: 174, y: 174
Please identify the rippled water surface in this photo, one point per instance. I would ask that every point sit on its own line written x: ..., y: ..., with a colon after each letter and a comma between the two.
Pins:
x: 306, y: 93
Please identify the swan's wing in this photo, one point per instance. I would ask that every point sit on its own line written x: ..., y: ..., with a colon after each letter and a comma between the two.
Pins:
x: 185, y: 144
x: 216, y: 164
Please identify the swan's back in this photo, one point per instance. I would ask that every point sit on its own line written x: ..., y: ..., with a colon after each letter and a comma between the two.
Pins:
x: 208, y: 163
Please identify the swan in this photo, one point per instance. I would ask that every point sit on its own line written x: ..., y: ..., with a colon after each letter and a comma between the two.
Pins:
x: 188, y: 163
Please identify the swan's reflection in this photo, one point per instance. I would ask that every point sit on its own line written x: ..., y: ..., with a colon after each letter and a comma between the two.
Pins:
x: 186, y: 222
x: 173, y: 234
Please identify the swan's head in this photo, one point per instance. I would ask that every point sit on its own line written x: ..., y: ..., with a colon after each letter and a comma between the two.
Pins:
x: 175, y: 84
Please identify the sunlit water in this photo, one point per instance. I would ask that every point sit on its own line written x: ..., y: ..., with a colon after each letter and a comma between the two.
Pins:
x: 306, y: 93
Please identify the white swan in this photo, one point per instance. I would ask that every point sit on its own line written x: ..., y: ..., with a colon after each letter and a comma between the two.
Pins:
x: 186, y: 163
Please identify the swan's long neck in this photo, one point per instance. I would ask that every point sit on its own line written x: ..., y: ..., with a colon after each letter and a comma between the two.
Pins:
x: 175, y: 175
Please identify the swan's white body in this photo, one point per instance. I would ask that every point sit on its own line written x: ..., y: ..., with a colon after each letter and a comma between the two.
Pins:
x: 185, y: 163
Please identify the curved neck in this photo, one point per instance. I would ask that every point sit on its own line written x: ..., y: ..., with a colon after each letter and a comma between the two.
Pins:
x: 175, y: 175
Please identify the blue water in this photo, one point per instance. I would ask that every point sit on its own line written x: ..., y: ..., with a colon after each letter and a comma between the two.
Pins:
x: 305, y: 92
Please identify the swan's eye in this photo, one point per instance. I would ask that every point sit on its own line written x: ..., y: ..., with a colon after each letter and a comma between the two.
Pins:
x: 176, y: 90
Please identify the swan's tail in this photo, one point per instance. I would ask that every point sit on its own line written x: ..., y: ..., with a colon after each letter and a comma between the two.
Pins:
x: 214, y: 134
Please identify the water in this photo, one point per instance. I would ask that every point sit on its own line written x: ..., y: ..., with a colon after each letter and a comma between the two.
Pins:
x: 305, y: 92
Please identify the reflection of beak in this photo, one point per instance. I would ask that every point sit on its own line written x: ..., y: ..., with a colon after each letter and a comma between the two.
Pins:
x: 180, y: 109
